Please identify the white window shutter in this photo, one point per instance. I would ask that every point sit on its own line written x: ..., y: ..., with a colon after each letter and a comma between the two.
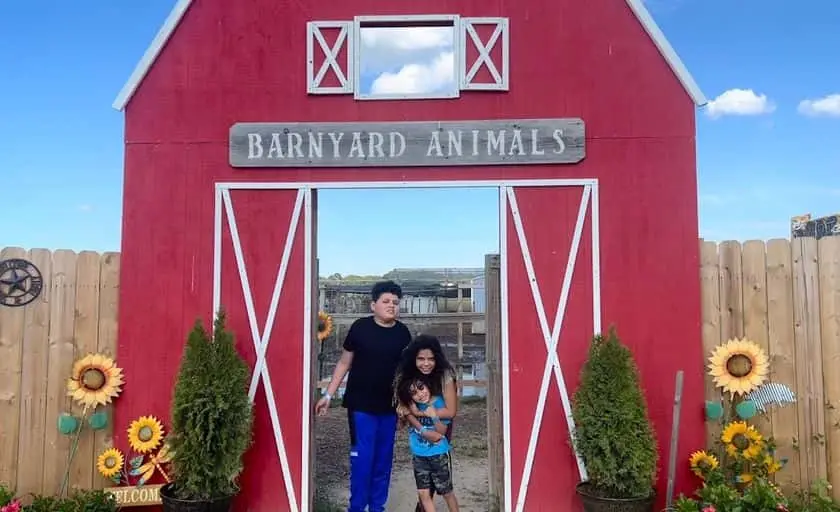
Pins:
x: 499, y: 71
x: 316, y: 44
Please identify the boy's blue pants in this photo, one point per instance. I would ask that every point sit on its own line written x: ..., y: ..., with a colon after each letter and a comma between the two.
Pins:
x: 371, y: 457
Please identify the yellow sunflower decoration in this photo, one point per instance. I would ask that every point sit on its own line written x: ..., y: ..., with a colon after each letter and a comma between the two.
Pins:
x: 771, y: 465
x: 145, y: 434
x: 95, y: 380
x: 742, y: 439
x: 110, y: 463
x: 325, y: 325
x: 702, y: 463
x: 739, y: 366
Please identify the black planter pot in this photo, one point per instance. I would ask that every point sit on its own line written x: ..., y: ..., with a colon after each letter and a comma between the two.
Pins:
x: 173, y: 504
x: 593, y: 503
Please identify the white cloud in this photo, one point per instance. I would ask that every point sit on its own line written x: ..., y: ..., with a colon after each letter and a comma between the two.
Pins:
x: 418, y: 77
x: 739, y: 102
x: 85, y: 208
x: 390, y: 48
x: 828, y: 106
x: 407, y: 38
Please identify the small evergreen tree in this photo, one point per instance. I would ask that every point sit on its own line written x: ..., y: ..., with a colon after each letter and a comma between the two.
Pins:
x: 211, y: 415
x: 613, y: 433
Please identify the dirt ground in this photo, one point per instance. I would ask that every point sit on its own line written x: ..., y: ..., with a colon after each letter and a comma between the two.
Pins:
x: 469, y: 461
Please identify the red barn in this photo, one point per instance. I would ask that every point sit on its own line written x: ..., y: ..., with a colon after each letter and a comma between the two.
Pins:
x: 580, y: 113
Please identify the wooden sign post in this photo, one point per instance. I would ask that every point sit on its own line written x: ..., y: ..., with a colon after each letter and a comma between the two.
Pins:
x: 136, y: 496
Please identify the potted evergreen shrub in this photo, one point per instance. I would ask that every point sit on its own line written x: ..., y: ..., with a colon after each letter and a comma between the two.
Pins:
x: 614, y: 435
x: 210, y: 425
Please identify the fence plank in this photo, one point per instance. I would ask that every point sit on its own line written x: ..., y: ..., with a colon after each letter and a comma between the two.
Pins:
x: 109, y: 289
x: 809, y: 372
x: 782, y: 356
x: 34, y: 371
x: 710, y: 303
x: 829, y: 302
x: 754, y: 270
x: 731, y: 291
x: 62, y: 353
x: 85, y: 333
x: 11, y: 352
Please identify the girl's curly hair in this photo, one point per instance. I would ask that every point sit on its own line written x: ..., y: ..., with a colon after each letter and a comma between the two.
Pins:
x: 407, y: 372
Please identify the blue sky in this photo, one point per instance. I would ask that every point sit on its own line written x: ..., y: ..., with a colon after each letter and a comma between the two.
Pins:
x: 762, y: 157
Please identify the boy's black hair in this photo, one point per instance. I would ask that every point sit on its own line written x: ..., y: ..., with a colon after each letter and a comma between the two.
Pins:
x: 385, y: 287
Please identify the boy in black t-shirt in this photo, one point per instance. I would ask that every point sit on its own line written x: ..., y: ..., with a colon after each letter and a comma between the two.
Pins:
x: 371, y: 354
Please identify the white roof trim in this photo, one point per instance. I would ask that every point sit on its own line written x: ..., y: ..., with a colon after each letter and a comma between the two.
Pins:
x: 637, y: 6
x: 151, y: 54
x: 667, y: 51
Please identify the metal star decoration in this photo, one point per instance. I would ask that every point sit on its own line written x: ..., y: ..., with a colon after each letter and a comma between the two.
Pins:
x: 15, y: 282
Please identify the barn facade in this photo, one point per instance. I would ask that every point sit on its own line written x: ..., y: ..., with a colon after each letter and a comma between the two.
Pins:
x: 579, y: 113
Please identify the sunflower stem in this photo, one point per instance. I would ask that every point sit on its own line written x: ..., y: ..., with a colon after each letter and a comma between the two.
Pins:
x: 72, y: 454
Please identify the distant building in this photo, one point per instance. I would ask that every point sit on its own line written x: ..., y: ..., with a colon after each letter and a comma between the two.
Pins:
x: 803, y: 226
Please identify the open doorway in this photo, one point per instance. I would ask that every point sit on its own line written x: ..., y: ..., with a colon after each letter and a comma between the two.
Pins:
x: 434, y: 243
x: 263, y: 269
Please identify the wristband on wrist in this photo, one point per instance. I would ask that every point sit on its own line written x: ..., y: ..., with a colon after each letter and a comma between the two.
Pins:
x: 327, y: 395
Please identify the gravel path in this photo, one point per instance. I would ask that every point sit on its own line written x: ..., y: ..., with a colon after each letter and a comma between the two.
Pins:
x: 470, y: 463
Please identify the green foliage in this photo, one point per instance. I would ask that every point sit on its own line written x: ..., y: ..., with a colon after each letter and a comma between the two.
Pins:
x: 6, y: 495
x: 614, y: 435
x: 80, y: 501
x: 211, y: 415
x: 816, y: 499
x: 759, y: 496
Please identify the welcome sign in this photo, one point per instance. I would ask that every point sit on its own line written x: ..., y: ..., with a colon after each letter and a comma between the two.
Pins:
x: 399, y: 144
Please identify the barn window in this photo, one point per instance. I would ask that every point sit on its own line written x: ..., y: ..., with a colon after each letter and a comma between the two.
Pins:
x: 407, y: 57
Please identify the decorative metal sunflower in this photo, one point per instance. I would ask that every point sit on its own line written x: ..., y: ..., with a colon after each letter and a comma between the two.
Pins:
x: 739, y: 366
x: 95, y: 380
x: 771, y: 465
x: 742, y: 439
x: 145, y: 434
x: 110, y: 463
x: 702, y: 463
x: 325, y: 325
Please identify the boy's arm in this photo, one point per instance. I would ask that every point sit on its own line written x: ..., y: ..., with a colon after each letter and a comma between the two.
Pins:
x: 439, y: 426
x: 430, y: 435
x: 413, y: 421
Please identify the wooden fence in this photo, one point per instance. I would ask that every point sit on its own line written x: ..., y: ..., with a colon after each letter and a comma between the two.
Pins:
x: 783, y: 294
x: 75, y: 314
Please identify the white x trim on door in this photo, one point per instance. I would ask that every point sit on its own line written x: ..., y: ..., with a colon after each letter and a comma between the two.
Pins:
x: 261, y: 340
x: 551, y: 334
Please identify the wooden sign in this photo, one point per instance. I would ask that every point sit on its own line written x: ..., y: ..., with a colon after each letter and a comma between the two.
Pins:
x: 136, y: 496
x: 407, y: 144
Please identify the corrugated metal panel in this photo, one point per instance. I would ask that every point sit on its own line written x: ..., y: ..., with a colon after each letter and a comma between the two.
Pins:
x: 418, y: 305
x: 478, y: 297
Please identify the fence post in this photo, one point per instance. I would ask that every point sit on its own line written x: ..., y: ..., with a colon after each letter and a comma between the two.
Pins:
x: 493, y: 353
